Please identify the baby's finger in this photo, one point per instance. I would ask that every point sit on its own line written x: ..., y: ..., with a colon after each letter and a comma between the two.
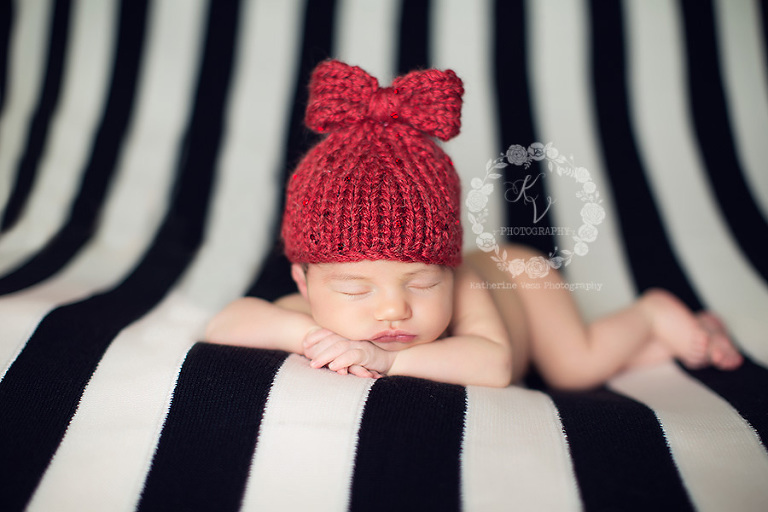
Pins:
x: 315, y: 335
x: 325, y: 353
x: 346, y: 359
x: 362, y: 371
x: 325, y: 344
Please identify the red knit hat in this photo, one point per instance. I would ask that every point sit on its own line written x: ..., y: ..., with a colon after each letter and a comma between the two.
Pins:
x: 377, y: 187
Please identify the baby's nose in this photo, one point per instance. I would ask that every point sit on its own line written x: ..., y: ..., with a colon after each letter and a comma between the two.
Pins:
x: 393, y: 307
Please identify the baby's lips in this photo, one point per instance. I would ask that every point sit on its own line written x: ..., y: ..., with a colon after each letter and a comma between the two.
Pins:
x: 394, y: 336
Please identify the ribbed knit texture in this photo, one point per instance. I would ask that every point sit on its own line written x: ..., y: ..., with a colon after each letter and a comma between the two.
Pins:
x: 378, y: 186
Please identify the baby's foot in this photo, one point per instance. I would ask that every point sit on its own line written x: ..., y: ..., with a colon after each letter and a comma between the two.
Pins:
x: 677, y: 328
x: 723, y: 354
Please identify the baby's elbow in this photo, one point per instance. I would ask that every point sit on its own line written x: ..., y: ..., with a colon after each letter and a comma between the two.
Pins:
x: 212, y: 331
x: 500, y: 375
x: 505, y: 375
x: 218, y: 329
x: 500, y: 381
x: 227, y: 323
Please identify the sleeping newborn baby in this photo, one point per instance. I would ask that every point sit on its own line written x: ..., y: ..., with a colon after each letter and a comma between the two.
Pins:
x: 372, y: 229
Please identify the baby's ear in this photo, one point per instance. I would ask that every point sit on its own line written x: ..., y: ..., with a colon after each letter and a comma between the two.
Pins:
x: 299, y: 275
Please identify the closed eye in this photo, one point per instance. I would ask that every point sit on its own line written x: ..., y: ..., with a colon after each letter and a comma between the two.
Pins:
x: 354, y: 293
x: 424, y: 286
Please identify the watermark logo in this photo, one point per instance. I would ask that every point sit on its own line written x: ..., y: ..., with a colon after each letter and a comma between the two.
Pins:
x: 519, y: 191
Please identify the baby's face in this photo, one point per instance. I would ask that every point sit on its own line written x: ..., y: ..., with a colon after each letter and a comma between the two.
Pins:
x: 393, y: 304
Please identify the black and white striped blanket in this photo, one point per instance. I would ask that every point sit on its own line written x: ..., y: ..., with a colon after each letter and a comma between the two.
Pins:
x: 143, y: 147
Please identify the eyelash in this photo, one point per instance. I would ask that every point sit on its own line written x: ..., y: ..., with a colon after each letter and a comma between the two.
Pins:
x: 356, y: 294
x: 419, y: 288
x: 427, y: 287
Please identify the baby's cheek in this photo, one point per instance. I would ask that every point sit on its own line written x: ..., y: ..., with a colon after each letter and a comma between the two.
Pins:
x: 435, y: 320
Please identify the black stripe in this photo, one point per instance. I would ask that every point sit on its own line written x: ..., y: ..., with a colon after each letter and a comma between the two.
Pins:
x: 413, y: 48
x: 208, y: 440
x: 48, y: 377
x: 745, y: 388
x: 104, y: 153
x: 517, y: 126
x: 274, y: 280
x: 408, y: 447
x: 712, y: 126
x: 7, y: 14
x: 619, y: 453
x: 515, y: 118
x: 37, y: 135
x: 652, y: 261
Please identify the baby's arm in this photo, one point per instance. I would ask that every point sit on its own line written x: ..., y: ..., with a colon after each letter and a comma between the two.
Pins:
x: 479, y: 351
x: 283, y: 325
x: 253, y: 322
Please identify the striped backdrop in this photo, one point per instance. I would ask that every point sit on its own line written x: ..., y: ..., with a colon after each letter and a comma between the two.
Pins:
x: 143, y: 148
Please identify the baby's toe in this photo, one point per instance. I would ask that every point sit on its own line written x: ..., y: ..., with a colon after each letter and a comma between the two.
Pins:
x: 697, y: 354
x: 728, y: 357
x: 722, y: 353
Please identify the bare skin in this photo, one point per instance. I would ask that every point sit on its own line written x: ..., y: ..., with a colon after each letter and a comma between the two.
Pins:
x: 573, y: 355
x: 490, y: 336
x: 375, y: 318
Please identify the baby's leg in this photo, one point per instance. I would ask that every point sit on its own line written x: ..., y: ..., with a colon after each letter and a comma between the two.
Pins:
x: 569, y: 353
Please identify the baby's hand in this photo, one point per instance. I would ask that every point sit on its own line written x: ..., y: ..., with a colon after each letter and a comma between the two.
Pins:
x: 360, y: 358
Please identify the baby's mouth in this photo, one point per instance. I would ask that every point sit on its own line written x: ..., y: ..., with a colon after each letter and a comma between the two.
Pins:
x: 393, y: 336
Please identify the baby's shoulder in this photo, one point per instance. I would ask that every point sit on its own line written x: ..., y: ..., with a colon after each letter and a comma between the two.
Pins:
x: 294, y: 302
x: 466, y: 278
x: 474, y: 310
x: 468, y: 293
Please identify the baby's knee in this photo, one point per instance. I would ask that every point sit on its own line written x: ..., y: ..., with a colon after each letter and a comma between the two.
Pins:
x: 570, y: 372
x: 658, y: 301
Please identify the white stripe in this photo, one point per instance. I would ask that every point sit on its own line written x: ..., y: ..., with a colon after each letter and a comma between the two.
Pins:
x: 26, y: 69
x: 514, y: 453
x: 84, y: 88
x: 717, y: 268
x: 461, y: 41
x: 563, y: 106
x: 106, y: 452
x: 745, y: 82
x: 367, y: 36
x: 720, y: 458
x: 306, y: 448
x: 239, y: 232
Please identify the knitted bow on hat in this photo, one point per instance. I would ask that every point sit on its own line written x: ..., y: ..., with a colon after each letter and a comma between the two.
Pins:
x: 341, y: 96
x: 378, y: 187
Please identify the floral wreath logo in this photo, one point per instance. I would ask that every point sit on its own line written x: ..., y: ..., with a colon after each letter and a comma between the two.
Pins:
x: 592, y: 212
